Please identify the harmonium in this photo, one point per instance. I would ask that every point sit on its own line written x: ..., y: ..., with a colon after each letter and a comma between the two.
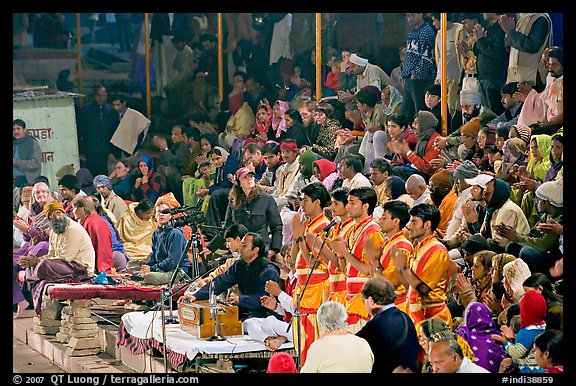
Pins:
x: 197, y: 320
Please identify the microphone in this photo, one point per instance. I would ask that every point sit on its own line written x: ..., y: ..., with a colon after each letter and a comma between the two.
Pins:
x: 334, y: 221
x: 176, y: 210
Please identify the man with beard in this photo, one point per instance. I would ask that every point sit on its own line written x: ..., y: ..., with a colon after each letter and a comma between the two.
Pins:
x: 70, y: 257
x: 306, y: 110
x: 443, y: 197
x: 553, y: 95
x: 501, y: 212
x: 471, y: 104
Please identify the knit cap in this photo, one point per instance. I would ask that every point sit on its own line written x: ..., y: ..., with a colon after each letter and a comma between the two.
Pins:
x: 466, y: 169
x: 524, y: 132
x: 442, y: 179
x: 553, y: 192
x: 426, y: 120
x: 472, y: 127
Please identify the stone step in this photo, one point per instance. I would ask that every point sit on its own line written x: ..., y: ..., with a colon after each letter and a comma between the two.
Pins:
x: 55, y: 352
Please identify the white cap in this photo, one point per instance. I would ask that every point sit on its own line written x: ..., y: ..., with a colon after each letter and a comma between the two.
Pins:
x: 358, y: 60
x: 480, y: 180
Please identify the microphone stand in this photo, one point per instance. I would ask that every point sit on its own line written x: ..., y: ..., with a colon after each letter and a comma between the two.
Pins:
x: 214, y: 313
x: 169, y: 295
x: 297, y: 314
x: 171, y: 319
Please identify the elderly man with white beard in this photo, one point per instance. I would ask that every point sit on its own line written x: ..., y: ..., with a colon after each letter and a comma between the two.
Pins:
x: 70, y: 257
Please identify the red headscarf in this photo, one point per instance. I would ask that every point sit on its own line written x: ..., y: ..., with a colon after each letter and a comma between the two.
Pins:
x: 532, y: 309
x: 326, y: 167
x: 263, y: 127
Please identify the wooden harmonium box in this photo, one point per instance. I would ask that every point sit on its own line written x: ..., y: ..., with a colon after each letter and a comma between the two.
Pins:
x: 196, y: 319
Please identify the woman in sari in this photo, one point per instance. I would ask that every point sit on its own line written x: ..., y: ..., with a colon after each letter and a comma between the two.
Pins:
x: 477, y: 329
x: 35, y: 231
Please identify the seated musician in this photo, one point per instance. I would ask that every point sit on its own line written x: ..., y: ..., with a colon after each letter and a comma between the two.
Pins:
x: 250, y: 273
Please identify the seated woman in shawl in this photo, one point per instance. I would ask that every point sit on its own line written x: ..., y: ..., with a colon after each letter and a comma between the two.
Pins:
x: 514, y: 156
x: 477, y: 329
x: 325, y: 171
x: 135, y: 229
x: 479, y: 287
x: 278, y: 130
x: 263, y: 127
x: 148, y: 184
x: 536, y: 168
x: 295, y: 128
x: 543, y: 165
x: 36, y: 231
x: 520, y: 346
x: 118, y: 252
x: 323, y: 131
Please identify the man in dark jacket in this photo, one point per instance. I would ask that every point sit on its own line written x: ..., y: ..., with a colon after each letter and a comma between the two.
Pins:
x: 97, y: 122
x: 250, y: 273
x: 26, y: 155
x: 390, y: 332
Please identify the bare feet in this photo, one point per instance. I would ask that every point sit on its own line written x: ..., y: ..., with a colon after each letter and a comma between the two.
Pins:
x: 273, y: 342
x: 121, y: 302
x: 21, y: 308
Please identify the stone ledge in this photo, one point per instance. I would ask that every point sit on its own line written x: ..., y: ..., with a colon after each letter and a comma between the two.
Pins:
x: 55, y: 352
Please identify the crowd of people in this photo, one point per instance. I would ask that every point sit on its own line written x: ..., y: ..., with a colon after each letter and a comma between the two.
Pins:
x: 366, y: 228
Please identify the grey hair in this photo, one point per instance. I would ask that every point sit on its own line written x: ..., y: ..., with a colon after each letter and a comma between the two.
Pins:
x: 451, y: 344
x: 332, y: 316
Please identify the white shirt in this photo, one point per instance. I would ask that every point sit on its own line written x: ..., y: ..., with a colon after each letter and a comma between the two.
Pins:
x: 468, y: 367
x: 358, y: 181
x: 424, y: 198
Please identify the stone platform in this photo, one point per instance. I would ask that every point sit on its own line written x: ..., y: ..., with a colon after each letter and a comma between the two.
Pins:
x: 112, y: 359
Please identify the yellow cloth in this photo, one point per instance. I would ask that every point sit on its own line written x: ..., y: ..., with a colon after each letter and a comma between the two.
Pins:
x: 381, y: 193
x: 240, y: 124
x: 135, y: 233
x: 434, y: 275
x: 133, y: 123
x: 446, y: 209
x: 72, y: 245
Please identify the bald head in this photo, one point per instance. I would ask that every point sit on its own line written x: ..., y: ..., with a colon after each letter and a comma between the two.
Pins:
x: 415, y: 186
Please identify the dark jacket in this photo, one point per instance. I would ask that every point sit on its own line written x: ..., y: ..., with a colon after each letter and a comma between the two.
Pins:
x: 96, y: 125
x: 260, y: 215
x: 251, y: 279
x: 492, y: 55
x: 221, y: 179
x: 298, y: 134
x: 393, y: 340
x: 29, y: 158
x: 168, y: 243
